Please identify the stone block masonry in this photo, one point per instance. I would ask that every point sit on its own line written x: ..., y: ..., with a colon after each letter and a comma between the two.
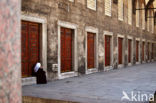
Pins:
x: 77, y: 13
x: 10, y: 75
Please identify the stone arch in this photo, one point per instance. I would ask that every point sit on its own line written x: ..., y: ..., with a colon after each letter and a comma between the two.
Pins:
x: 142, y: 12
x: 134, y: 4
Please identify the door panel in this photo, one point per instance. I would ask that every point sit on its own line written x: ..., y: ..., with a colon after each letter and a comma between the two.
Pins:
x: 66, y: 49
x: 152, y: 51
x: 33, y: 44
x: 120, y: 48
x: 129, y: 50
x: 24, y: 44
x: 90, y: 50
x: 30, y: 47
x: 107, y: 50
x: 137, y: 51
x: 148, y: 52
x: 143, y: 51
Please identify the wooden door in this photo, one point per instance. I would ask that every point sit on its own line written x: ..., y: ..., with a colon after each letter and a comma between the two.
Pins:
x: 137, y: 51
x: 143, y: 51
x: 30, y: 47
x: 129, y: 50
x: 148, y: 51
x: 90, y: 50
x: 120, y: 48
x: 66, y: 49
x: 152, y: 50
x: 107, y: 50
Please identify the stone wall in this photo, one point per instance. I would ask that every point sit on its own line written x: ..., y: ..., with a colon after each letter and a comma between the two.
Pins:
x: 10, y: 75
x: 77, y: 13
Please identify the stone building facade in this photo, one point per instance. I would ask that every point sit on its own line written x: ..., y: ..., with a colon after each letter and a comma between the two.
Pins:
x: 103, y: 37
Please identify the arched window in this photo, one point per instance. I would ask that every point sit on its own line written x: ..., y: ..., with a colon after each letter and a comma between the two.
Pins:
x: 130, y: 12
x: 137, y: 14
x: 120, y: 10
x: 148, y: 21
x: 143, y: 16
x: 108, y: 4
x: 152, y: 22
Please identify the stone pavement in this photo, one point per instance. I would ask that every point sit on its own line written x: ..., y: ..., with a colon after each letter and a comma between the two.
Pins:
x: 102, y: 87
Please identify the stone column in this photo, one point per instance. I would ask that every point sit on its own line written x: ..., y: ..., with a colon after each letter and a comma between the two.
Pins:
x: 10, y: 51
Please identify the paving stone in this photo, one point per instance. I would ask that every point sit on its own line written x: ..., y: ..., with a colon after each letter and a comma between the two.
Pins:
x: 102, y: 87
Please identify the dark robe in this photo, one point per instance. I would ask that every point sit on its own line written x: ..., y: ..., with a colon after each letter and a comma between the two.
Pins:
x: 41, y: 76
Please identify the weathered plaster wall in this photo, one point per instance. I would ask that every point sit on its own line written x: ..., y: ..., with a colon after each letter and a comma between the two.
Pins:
x: 10, y: 72
x: 77, y: 13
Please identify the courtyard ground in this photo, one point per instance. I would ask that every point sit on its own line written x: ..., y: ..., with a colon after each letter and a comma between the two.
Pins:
x: 102, y: 87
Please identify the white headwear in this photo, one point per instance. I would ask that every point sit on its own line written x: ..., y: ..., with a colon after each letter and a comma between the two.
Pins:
x: 37, y: 66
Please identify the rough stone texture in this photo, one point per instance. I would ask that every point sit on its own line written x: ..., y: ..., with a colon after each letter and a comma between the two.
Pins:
x: 76, y: 12
x: 103, y: 87
x: 10, y: 77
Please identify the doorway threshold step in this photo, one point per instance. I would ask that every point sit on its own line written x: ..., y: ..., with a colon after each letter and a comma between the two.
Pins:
x: 28, y: 81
